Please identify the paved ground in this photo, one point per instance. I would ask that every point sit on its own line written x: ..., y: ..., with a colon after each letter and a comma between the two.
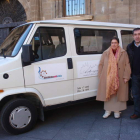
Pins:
x: 81, y: 122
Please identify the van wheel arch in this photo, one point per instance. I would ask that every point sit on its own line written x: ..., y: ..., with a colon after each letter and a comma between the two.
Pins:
x: 32, y: 97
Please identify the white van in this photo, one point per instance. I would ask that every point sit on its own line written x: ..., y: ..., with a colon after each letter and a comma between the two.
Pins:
x: 48, y: 63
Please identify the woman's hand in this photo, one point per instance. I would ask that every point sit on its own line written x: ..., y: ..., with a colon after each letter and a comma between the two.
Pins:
x: 125, y: 81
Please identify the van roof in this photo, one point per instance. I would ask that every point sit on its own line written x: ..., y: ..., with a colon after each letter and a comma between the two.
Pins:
x: 95, y: 23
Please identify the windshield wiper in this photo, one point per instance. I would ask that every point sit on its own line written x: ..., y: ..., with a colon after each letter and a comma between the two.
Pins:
x: 3, y: 52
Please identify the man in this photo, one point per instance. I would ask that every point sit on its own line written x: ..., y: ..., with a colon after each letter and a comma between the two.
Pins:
x: 133, y: 50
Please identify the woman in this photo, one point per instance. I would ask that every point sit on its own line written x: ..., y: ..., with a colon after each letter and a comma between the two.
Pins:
x: 114, y: 74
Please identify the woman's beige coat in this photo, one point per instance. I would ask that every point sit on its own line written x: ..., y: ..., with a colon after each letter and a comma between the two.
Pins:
x: 124, y: 71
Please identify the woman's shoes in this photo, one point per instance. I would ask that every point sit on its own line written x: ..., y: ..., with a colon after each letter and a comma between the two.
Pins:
x: 107, y: 114
x: 117, y: 114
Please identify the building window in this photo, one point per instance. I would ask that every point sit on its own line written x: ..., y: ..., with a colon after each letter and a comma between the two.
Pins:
x: 92, y: 41
x: 74, y: 7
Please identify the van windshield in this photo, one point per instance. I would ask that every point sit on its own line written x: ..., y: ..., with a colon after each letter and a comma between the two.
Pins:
x: 12, y: 44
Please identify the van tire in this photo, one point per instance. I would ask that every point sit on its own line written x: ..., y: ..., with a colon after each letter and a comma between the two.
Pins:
x: 19, y: 108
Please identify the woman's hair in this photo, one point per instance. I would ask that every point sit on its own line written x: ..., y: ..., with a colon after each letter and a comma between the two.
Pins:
x: 116, y: 38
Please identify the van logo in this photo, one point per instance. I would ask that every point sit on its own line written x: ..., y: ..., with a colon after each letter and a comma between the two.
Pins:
x: 44, y: 75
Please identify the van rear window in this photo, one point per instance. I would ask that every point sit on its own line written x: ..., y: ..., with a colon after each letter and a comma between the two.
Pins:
x: 92, y: 41
x: 127, y: 38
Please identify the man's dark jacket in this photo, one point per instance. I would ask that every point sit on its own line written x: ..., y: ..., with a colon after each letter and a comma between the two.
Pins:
x: 130, y: 51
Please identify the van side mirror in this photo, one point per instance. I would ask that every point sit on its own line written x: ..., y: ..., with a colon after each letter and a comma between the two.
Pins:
x: 27, y: 54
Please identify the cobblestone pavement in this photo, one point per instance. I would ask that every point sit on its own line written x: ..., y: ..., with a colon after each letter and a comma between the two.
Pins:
x: 81, y: 122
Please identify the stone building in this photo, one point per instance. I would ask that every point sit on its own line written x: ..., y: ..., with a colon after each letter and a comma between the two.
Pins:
x: 118, y: 11
x: 15, y: 12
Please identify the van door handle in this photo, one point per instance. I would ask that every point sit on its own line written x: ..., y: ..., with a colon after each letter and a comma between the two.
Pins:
x: 70, y: 64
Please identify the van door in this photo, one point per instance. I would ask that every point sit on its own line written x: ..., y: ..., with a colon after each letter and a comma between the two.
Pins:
x: 51, y: 72
x: 88, y: 44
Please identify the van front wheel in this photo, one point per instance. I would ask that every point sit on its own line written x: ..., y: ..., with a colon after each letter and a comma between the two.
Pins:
x: 18, y: 116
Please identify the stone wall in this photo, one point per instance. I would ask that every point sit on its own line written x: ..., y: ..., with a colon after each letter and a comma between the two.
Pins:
x: 118, y: 11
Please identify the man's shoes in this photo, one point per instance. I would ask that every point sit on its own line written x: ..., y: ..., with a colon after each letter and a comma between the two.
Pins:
x: 133, y: 117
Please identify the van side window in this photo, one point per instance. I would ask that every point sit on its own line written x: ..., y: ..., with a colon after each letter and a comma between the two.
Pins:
x: 92, y: 41
x: 48, y: 42
x: 127, y: 38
